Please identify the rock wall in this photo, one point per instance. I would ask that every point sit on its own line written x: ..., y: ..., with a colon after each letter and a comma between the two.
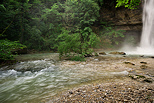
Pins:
x: 123, y: 18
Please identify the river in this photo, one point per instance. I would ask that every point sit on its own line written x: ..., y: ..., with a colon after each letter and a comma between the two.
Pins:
x: 39, y: 79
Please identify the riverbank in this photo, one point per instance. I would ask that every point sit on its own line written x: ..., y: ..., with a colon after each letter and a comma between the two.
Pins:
x: 137, y: 87
x: 42, y: 78
x: 119, y: 91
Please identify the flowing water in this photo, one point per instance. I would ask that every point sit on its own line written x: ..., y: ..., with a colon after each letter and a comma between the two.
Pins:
x: 147, y: 39
x: 36, y: 80
x: 146, y: 46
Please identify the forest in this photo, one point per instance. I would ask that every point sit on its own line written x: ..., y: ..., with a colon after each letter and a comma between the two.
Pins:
x: 57, y: 25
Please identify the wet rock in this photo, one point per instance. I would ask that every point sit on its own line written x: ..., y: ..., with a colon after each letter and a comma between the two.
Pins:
x: 118, y: 53
x: 102, y: 53
x: 88, y: 55
x: 141, y: 78
x: 135, y: 77
x: 149, y: 80
x: 142, y: 56
x: 129, y: 63
x: 143, y: 62
x: 143, y: 67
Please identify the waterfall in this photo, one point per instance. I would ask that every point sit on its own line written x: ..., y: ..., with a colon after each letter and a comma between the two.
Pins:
x: 147, y: 38
x: 146, y: 46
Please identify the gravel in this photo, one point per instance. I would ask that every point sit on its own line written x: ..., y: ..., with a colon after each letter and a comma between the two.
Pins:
x: 127, y: 91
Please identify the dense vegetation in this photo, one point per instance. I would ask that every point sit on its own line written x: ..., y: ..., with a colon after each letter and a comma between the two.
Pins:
x: 63, y: 25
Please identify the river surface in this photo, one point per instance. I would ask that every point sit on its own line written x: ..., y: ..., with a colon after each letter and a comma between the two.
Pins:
x: 38, y: 80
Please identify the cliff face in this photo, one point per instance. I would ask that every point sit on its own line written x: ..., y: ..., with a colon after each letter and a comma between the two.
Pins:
x: 123, y: 18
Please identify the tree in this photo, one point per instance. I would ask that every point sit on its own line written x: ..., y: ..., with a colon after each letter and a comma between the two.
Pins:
x: 77, y: 35
x: 131, y: 4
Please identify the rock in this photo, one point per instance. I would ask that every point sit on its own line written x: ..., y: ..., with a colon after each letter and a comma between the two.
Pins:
x: 140, y: 76
x: 142, y: 56
x: 124, y: 18
x: 118, y: 53
x: 102, y: 53
x: 88, y: 55
x: 143, y: 67
x: 70, y: 92
x: 149, y: 80
x: 125, y: 100
x: 135, y: 77
x: 143, y: 62
x: 129, y: 63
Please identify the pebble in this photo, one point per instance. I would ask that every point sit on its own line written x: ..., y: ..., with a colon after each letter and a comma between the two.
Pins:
x: 124, y: 92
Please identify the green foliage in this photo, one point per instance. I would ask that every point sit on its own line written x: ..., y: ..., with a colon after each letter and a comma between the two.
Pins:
x: 34, y: 23
x: 78, y: 58
x: 131, y: 4
x: 111, y: 36
x: 80, y: 42
x: 12, y: 18
x: 68, y: 42
x: 106, y: 3
x: 35, y: 40
x: 77, y: 19
x: 38, y: 24
x: 6, y: 47
x: 79, y: 14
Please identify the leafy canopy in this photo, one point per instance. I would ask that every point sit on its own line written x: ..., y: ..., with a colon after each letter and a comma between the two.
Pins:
x: 131, y: 4
x: 6, y: 48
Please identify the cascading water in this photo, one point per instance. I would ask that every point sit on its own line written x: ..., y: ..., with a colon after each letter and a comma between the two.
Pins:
x: 147, y: 39
x: 146, y: 46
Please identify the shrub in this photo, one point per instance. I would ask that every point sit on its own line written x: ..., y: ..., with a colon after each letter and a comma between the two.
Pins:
x: 6, y: 48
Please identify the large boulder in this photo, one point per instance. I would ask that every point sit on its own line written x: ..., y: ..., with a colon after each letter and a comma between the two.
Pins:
x: 102, y: 53
x: 118, y: 53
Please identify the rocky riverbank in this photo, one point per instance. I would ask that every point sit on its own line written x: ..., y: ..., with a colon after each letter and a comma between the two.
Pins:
x: 137, y: 87
x: 119, y: 91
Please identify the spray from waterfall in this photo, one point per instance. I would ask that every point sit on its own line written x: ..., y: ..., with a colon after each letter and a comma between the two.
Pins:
x: 146, y: 46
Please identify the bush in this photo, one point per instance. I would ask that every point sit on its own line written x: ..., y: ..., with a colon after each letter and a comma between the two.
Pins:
x: 6, y: 48
x: 78, y: 58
